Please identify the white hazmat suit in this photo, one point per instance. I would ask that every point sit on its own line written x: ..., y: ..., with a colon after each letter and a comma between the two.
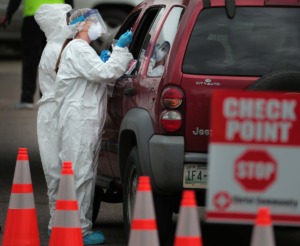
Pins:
x: 155, y: 71
x: 81, y: 97
x: 52, y: 21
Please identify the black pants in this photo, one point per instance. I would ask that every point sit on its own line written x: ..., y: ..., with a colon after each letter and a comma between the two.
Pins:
x: 33, y: 43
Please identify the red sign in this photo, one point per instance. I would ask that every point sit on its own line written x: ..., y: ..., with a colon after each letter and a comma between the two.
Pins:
x: 255, y: 170
x: 260, y: 118
x: 222, y: 200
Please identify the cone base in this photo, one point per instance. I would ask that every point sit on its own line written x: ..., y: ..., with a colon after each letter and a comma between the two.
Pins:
x: 21, y: 228
x: 65, y: 237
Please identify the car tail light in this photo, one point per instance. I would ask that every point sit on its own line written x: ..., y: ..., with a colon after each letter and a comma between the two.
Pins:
x: 171, y: 121
x: 172, y: 97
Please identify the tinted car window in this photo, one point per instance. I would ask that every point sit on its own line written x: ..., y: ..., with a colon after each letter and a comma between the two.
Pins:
x: 164, y: 42
x: 255, y: 42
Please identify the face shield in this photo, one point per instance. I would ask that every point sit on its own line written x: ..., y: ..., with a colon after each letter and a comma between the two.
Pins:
x: 68, y: 15
x: 94, y: 16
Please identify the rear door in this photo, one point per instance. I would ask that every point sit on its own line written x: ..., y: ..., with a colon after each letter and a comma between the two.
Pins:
x: 225, y: 53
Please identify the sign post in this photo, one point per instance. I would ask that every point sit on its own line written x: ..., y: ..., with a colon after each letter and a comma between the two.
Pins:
x: 254, y: 157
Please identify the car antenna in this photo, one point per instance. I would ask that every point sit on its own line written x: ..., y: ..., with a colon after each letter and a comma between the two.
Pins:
x: 230, y: 8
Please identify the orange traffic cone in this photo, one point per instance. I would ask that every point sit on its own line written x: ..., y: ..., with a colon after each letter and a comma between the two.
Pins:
x: 263, y: 234
x: 188, y: 226
x: 22, y: 151
x: 143, y: 225
x: 21, y: 227
x: 66, y: 229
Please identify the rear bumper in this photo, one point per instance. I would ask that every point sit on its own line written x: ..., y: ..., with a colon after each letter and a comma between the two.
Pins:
x: 167, y: 158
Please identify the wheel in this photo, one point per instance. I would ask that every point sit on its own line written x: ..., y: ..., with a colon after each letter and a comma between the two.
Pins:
x: 163, y: 204
x: 281, y: 80
x: 130, y: 186
x: 98, y: 197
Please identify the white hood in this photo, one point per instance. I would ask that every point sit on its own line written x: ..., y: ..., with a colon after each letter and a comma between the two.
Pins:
x: 52, y: 20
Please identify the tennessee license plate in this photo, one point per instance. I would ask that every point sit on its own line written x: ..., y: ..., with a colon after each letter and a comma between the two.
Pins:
x: 194, y: 176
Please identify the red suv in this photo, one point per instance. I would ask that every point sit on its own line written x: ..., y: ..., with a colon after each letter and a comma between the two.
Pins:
x: 158, y: 123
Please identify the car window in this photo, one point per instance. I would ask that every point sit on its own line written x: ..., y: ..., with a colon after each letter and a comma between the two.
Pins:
x: 164, y: 42
x: 142, y: 37
x: 128, y: 24
x: 255, y: 42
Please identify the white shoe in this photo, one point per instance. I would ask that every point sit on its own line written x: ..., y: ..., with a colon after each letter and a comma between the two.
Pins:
x: 23, y: 105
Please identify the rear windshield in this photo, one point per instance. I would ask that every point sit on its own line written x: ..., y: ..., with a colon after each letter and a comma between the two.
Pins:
x: 255, y: 42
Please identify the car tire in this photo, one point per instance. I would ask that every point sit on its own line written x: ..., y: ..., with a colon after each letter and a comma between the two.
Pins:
x: 163, y: 204
x: 130, y: 185
x: 98, y: 196
x: 281, y: 80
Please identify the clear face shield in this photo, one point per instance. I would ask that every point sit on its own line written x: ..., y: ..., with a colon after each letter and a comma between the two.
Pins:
x: 94, y: 16
x: 68, y: 14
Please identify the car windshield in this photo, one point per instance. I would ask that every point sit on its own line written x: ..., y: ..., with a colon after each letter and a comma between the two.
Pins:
x: 255, y: 42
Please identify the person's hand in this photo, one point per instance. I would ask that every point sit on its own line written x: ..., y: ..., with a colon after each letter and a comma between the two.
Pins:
x: 5, y: 21
x: 105, y: 55
x: 125, y: 39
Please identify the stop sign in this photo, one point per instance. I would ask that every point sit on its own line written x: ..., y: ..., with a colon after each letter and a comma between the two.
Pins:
x: 255, y: 170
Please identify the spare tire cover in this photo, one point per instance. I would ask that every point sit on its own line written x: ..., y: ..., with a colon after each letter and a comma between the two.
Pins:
x: 284, y: 80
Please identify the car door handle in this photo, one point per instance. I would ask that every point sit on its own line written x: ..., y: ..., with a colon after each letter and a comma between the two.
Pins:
x: 130, y: 92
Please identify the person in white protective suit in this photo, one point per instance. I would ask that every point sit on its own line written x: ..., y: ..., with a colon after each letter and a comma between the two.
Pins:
x: 81, y: 97
x: 52, y: 20
x: 157, y: 62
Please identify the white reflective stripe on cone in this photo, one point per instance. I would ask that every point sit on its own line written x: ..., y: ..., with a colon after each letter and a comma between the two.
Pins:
x: 21, y: 201
x: 22, y: 173
x: 64, y: 192
x: 147, y: 237
x: 263, y: 236
x: 144, y: 206
x: 188, y: 222
x: 67, y: 219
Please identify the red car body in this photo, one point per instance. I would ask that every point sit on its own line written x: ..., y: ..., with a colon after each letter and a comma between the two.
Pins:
x: 165, y: 139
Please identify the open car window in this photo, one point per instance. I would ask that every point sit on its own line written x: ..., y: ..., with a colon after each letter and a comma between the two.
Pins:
x: 141, y: 37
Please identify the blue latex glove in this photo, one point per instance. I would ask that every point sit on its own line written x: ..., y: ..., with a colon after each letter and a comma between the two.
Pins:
x: 125, y: 39
x: 105, y: 55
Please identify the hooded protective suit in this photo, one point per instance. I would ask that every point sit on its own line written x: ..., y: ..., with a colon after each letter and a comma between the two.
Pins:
x: 81, y: 96
x: 52, y: 21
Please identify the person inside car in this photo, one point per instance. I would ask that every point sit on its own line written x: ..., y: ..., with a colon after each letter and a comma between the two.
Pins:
x: 158, y: 60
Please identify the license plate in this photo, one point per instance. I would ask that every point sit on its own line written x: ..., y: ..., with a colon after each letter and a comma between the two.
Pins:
x: 194, y: 176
